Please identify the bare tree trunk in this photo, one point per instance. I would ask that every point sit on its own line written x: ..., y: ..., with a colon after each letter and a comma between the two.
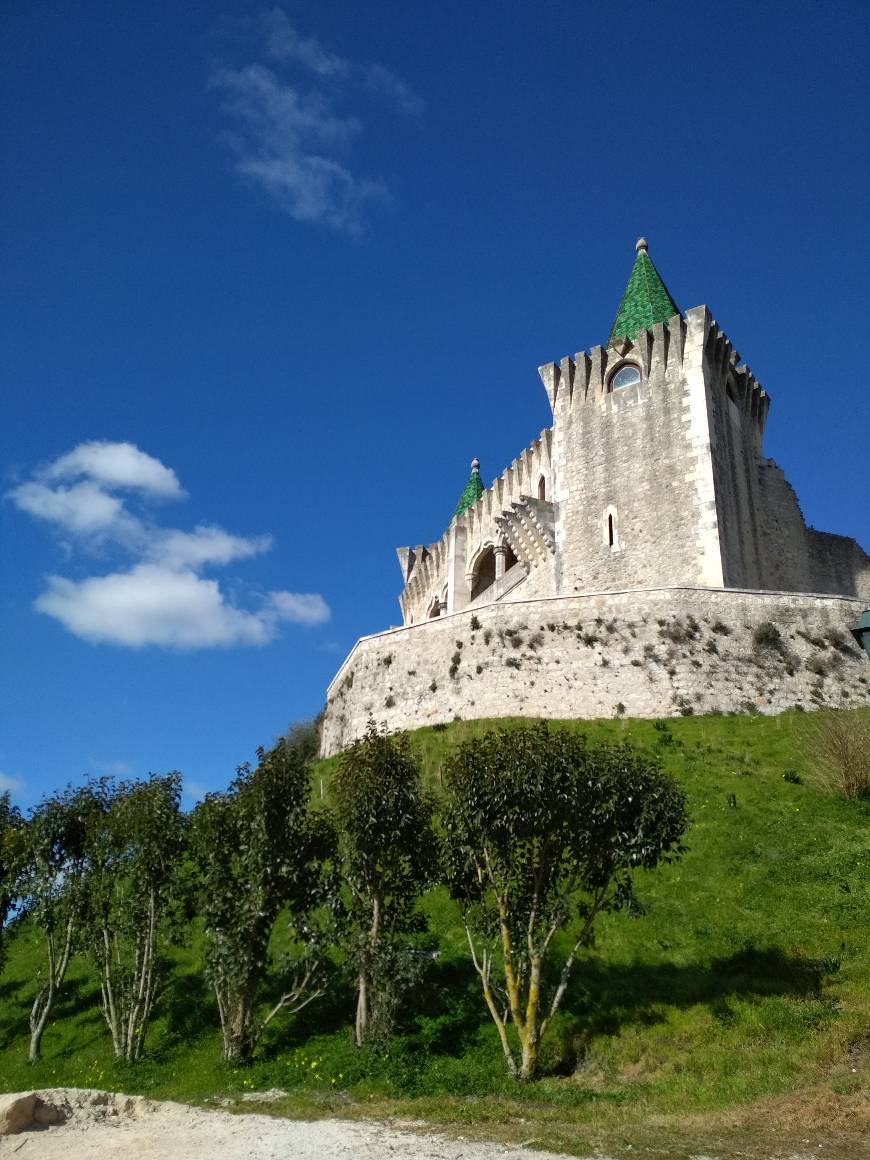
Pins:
x: 364, y: 997
x: 109, y: 999
x: 44, y: 1001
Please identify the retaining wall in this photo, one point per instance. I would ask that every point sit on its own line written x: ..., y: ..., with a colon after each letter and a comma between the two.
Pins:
x: 648, y: 653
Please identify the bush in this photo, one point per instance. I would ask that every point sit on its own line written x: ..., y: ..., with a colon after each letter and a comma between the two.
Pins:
x: 767, y: 636
x: 838, y: 746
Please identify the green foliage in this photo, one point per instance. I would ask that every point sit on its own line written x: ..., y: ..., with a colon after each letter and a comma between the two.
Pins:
x: 387, y: 850
x: 10, y: 857
x: 304, y: 737
x: 543, y: 833
x: 258, y: 849
x: 744, y: 990
x: 54, y: 858
x: 134, y: 843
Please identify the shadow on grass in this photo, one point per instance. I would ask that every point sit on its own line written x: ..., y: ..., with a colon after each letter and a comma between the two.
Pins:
x: 445, y: 1013
x: 189, y: 1007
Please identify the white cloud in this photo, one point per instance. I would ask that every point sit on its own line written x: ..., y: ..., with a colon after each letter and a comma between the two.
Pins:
x: 160, y: 598
x: 82, y: 508
x: 383, y: 82
x: 283, y: 42
x: 151, y: 604
x: 290, y: 141
x: 282, y: 142
x: 205, y: 545
x: 9, y: 784
x: 297, y: 607
x: 117, y: 465
x: 193, y: 790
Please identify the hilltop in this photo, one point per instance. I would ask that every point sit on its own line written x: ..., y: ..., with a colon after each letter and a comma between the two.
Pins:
x: 732, y: 1014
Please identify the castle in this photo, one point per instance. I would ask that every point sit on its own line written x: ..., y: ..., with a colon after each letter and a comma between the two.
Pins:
x: 643, y: 517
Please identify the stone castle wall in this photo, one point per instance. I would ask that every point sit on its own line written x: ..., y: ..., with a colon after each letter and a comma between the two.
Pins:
x: 644, y: 653
x: 641, y: 456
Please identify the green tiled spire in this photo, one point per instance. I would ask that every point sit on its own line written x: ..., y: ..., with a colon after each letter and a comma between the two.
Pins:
x: 646, y: 299
x: 472, y: 491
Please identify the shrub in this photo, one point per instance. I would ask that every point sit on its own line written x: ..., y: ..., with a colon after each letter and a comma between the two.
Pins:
x: 838, y: 746
x: 387, y: 853
x: 389, y: 701
x: 767, y: 636
x: 475, y: 623
x: 720, y: 627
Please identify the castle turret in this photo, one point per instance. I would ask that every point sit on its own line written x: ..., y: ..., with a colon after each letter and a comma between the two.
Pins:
x: 646, y: 300
x: 472, y: 491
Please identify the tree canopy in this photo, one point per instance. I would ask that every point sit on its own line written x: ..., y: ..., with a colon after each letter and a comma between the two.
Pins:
x: 543, y: 832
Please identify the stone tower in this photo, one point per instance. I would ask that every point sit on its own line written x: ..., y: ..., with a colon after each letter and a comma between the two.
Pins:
x: 649, y: 498
x: 651, y: 475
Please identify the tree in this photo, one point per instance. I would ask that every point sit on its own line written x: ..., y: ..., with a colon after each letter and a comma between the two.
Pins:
x: 258, y: 849
x: 304, y: 735
x: 10, y: 825
x: 54, y: 861
x: 388, y: 856
x: 134, y: 851
x: 542, y: 833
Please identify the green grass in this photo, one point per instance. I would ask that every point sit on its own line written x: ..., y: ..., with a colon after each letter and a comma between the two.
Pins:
x: 737, y: 1002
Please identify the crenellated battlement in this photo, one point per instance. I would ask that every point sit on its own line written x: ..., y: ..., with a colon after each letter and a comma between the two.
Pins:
x: 648, y: 501
x: 425, y: 567
x: 583, y: 378
x: 733, y: 377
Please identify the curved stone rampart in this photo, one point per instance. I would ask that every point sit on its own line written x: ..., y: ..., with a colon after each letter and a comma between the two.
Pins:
x: 643, y: 653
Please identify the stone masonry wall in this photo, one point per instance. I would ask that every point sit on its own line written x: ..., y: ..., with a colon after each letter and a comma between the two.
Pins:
x: 642, y: 653
x: 640, y: 455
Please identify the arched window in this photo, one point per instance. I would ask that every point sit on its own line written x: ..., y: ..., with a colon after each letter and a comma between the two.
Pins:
x: 542, y: 488
x: 434, y: 609
x: 628, y: 375
x: 484, y: 573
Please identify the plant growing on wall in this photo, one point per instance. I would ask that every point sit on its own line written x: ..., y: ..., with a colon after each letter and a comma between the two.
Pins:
x: 259, y: 849
x: 388, y: 856
x: 542, y: 834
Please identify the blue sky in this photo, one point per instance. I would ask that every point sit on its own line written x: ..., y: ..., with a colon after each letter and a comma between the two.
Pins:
x: 272, y: 276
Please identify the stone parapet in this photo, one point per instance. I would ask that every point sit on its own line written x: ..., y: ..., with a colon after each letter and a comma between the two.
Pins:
x: 642, y: 653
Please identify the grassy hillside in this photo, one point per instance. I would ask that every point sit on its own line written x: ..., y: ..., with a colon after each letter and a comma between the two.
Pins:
x: 734, y: 1013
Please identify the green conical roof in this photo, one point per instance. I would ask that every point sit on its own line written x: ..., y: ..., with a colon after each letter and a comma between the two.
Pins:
x: 472, y: 491
x: 646, y: 299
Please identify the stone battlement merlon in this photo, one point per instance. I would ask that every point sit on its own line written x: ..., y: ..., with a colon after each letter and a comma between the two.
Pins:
x: 424, y: 566
x: 584, y: 376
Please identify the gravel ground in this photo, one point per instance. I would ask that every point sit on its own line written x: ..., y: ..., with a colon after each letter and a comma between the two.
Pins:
x: 94, y: 1125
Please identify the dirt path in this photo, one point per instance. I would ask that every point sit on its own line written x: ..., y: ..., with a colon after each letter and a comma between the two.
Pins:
x: 74, y: 1124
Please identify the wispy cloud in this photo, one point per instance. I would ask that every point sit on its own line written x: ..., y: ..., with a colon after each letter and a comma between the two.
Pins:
x: 283, y: 42
x: 9, y: 784
x: 288, y: 135
x: 160, y: 598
